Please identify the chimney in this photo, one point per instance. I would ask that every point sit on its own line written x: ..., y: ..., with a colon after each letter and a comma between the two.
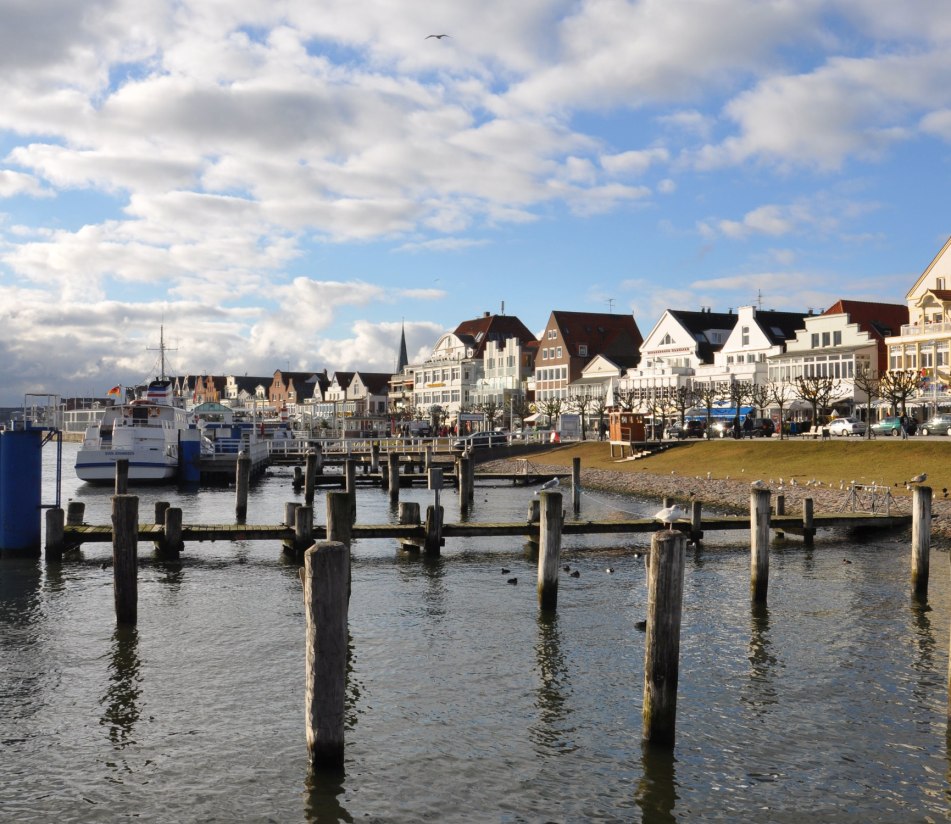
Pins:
x: 487, y: 314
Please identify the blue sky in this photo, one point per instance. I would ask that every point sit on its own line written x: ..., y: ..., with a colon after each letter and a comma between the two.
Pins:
x: 286, y: 184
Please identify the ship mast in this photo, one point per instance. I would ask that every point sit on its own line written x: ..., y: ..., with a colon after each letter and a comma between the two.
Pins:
x: 161, y: 350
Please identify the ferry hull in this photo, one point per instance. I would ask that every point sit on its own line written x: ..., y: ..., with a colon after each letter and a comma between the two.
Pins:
x: 101, y: 469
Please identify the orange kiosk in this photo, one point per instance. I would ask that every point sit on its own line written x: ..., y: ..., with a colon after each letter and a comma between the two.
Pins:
x: 624, y: 429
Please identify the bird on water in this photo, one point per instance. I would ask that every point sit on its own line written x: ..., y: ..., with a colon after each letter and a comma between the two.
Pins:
x: 669, y: 514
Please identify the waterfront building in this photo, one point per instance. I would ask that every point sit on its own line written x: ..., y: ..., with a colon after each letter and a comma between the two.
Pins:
x: 242, y: 391
x: 571, y: 340
x: 839, y: 343
x: 922, y: 344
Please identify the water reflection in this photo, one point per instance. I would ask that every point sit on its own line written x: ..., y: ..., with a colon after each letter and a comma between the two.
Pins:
x: 322, y: 797
x: 926, y: 646
x: 760, y: 692
x: 656, y: 792
x: 551, y: 696
x: 122, y: 696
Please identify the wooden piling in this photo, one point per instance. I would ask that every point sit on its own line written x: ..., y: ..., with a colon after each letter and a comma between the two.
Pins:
x: 125, y: 528
x: 318, y: 459
x: 549, y: 552
x: 350, y: 485
x: 665, y: 584
x: 808, y: 524
x: 375, y: 457
x: 122, y: 476
x: 242, y: 482
x: 920, y: 539
x: 472, y: 466
x: 780, y: 510
x: 290, y: 507
x: 75, y: 513
x: 433, y: 540
x: 428, y: 457
x: 668, y: 501
x: 310, y: 476
x: 393, y: 474
x: 759, y: 544
x: 303, y: 528
x: 409, y: 515
x: 462, y: 472
x: 173, y: 544
x: 326, y: 567
x: 55, y: 542
x: 576, y: 486
x: 298, y: 477
x: 696, y: 521
x: 339, y: 523
x: 160, y: 509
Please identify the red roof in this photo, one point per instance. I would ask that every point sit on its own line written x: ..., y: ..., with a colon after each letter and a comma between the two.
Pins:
x: 492, y: 327
x: 879, y: 320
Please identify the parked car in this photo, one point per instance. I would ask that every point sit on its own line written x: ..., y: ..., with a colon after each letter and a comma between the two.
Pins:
x: 762, y: 428
x: 675, y: 432
x: 937, y: 425
x: 846, y: 426
x: 480, y: 440
x: 892, y: 426
x: 695, y: 429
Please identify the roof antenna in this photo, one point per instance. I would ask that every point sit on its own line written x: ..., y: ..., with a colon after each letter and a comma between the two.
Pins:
x: 610, y: 303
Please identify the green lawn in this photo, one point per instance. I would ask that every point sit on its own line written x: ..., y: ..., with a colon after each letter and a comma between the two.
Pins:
x: 884, y: 460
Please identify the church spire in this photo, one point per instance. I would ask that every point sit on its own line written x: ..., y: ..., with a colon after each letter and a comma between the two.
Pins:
x: 403, y: 359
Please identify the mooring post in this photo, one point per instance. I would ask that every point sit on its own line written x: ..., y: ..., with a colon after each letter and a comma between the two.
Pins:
x: 160, y: 509
x: 298, y: 482
x: 326, y: 567
x: 668, y: 501
x: 125, y: 531
x: 808, y: 525
x: 318, y: 459
x: 122, y: 476
x: 472, y: 466
x: 55, y: 540
x: 534, y: 516
x: 339, y: 523
x: 350, y: 474
x: 665, y: 588
x: 920, y: 539
x: 173, y: 544
x: 241, y: 482
x: 75, y: 513
x: 290, y: 507
x: 780, y: 504
x: 462, y: 471
x: 310, y: 475
x: 375, y: 457
x: 303, y: 528
x: 549, y: 552
x: 393, y: 472
x: 696, y: 521
x: 759, y: 544
x: 409, y: 515
x: 576, y: 486
x: 432, y: 540
x: 428, y: 456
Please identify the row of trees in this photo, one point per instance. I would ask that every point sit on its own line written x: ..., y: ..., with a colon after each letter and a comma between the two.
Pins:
x: 819, y: 391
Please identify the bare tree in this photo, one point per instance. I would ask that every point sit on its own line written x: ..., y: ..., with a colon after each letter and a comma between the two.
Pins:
x: 867, y: 380
x: 627, y: 398
x: 760, y: 399
x: 550, y: 407
x: 708, y: 394
x: 898, y: 385
x: 581, y: 404
x: 599, y: 405
x: 739, y: 394
x: 520, y: 408
x: 683, y: 398
x: 780, y: 394
x: 491, y: 409
x: 818, y: 391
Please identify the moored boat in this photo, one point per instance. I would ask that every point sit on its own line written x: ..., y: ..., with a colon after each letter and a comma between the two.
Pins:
x: 146, y: 432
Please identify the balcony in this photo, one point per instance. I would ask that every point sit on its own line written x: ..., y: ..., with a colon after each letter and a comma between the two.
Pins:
x: 910, y: 330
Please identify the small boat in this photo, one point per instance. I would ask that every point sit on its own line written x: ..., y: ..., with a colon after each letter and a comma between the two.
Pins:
x: 145, y: 431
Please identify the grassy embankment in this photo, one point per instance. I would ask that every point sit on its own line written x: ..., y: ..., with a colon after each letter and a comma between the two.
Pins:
x: 883, y: 461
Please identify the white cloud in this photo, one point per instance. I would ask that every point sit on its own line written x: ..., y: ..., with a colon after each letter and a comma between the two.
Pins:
x: 634, y: 162
x: 17, y: 183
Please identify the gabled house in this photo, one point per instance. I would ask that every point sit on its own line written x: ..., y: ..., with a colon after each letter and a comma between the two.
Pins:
x: 572, y: 339
x: 290, y: 389
x: 244, y: 390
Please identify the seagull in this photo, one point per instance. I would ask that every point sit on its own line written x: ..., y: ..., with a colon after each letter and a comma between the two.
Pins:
x: 669, y: 514
x: 759, y: 485
x: 919, y: 479
x: 437, y: 36
x: 552, y: 484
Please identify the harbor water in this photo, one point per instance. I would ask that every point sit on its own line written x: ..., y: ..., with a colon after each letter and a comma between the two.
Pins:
x: 464, y: 703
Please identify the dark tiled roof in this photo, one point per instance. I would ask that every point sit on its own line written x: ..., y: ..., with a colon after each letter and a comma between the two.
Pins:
x: 377, y: 383
x: 780, y: 326
x: 249, y: 384
x: 604, y: 334
x: 491, y: 327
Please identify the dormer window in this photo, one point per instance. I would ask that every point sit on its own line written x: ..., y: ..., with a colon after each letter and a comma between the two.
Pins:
x: 939, y: 283
x: 667, y: 340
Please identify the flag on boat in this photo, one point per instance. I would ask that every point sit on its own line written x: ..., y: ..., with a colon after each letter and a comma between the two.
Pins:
x: 116, y: 390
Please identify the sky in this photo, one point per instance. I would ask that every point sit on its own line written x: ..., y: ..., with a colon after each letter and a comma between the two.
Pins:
x: 286, y: 185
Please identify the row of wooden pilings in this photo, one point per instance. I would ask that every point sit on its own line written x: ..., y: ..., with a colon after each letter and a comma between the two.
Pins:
x: 326, y: 579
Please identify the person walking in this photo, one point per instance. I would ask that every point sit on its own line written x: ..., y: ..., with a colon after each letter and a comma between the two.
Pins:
x: 903, y: 422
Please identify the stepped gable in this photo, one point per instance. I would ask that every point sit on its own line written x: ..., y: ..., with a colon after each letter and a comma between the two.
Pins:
x: 879, y: 320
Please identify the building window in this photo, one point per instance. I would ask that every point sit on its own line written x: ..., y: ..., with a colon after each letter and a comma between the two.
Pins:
x: 582, y: 350
x: 939, y: 283
x: 559, y: 352
x: 826, y: 338
x: 814, y: 340
x: 552, y: 334
x: 836, y: 338
x: 745, y: 333
x: 544, y: 354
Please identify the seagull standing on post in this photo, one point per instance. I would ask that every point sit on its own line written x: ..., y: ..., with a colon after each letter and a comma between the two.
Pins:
x: 919, y: 479
x: 669, y: 514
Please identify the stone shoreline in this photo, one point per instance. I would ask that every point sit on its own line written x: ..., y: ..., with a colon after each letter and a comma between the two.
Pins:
x: 733, y: 494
